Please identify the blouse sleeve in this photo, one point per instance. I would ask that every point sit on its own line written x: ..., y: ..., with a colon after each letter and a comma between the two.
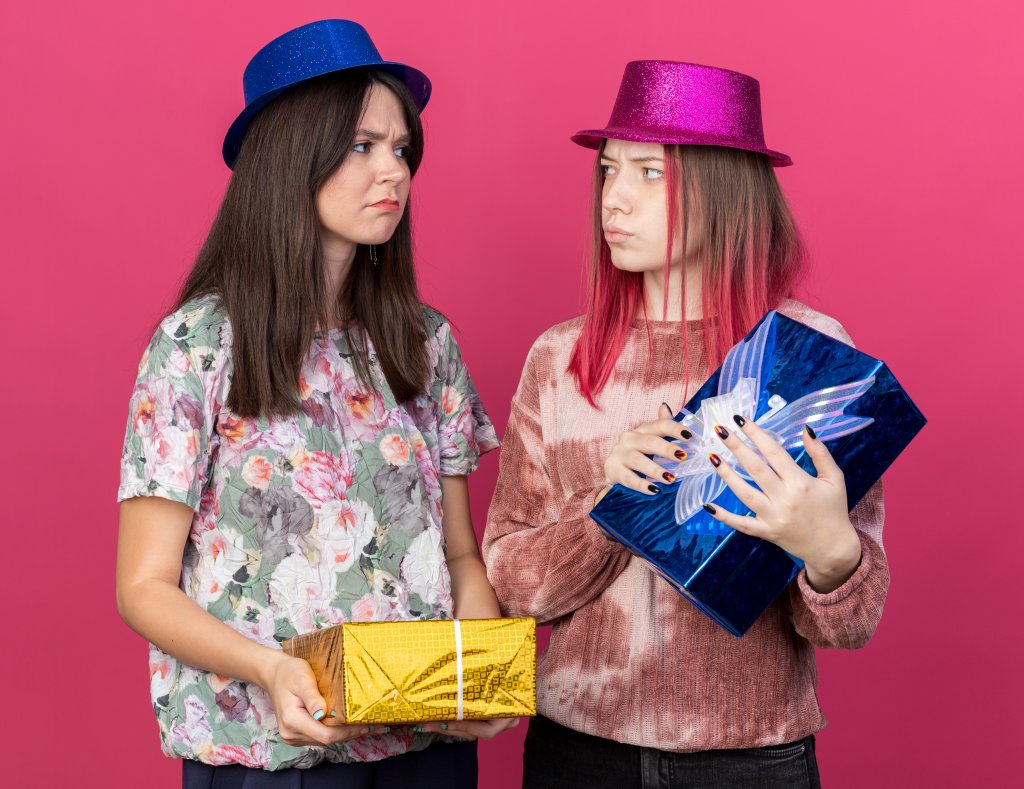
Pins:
x: 465, y: 431
x: 171, y: 438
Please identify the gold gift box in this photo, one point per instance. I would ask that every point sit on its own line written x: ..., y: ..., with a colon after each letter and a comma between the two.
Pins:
x: 407, y: 672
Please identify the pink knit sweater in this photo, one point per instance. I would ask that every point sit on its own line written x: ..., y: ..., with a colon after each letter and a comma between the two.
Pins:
x: 630, y: 659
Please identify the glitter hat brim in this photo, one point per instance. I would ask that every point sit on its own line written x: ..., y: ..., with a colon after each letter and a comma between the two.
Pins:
x: 592, y: 138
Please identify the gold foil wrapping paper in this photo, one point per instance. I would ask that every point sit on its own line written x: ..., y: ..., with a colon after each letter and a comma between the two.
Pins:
x: 407, y: 672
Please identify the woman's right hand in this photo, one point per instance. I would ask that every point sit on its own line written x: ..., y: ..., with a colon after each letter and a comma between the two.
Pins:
x: 628, y: 459
x: 300, y: 707
x: 151, y: 539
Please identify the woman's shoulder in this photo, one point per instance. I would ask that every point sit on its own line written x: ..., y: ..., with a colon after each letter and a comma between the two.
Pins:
x: 818, y: 321
x: 194, y: 338
x: 550, y: 352
x: 548, y: 357
x: 434, y: 320
x: 554, y: 346
x: 199, y: 322
x: 189, y: 356
x: 560, y: 338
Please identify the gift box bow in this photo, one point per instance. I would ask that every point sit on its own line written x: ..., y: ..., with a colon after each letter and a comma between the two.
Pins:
x: 739, y: 390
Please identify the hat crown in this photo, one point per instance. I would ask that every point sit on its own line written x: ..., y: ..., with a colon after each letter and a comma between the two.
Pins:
x: 675, y: 103
x: 666, y: 95
x: 313, y: 49
x: 307, y: 52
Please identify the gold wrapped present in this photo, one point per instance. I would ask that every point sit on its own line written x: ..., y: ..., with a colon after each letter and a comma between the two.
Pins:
x: 424, y: 670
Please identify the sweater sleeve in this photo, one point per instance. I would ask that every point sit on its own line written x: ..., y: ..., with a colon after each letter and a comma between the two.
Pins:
x: 846, y: 618
x: 545, y: 557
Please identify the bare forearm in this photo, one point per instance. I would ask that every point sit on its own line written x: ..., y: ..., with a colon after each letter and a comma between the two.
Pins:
x: 474, y: 598
x: 165, y: 616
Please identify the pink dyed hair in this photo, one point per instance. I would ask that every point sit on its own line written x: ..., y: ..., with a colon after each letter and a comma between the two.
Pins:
x: 751, y: 259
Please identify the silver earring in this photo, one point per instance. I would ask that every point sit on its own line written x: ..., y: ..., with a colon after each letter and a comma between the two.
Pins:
x: 373, y: 254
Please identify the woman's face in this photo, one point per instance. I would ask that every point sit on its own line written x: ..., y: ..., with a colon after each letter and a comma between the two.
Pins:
x: 634, y: 211
x: 363, y: 201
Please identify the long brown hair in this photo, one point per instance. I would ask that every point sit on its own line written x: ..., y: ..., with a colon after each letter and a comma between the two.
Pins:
x: 263, y: 258
x: 750, y: 251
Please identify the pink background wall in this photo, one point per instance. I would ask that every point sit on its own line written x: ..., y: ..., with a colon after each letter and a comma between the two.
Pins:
x: 903, y: 120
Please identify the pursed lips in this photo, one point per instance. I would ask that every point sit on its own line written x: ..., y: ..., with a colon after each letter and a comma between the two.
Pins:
x: 613, y: 233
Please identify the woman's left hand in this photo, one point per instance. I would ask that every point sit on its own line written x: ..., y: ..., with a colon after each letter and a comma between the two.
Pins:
x: 471, y: 730
x: 805, y: 516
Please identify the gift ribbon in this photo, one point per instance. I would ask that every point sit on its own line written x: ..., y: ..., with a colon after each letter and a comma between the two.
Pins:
x: 458, y: 667
x: 739, y: 389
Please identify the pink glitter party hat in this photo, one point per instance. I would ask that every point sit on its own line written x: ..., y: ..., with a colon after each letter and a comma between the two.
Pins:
x: 686, y: 104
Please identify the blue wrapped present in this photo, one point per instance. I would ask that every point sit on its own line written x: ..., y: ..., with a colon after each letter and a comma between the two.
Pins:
x: 783, y: 375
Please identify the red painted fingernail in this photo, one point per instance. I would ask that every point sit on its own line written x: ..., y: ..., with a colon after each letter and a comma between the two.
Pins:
x: 810, y: 431
x: 722, y: 432
x: 739, y: 420
x: 668, y: 477
x: 680, y: 455
x: 715, y: 460
x: 711, y: 510
x: 653, y: 489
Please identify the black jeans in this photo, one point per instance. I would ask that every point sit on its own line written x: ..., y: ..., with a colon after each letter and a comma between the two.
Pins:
x: 561, y: 758
x: 440, y: 766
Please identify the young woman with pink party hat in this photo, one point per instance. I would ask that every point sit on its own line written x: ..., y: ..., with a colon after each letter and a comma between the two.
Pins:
x: 693, y: 243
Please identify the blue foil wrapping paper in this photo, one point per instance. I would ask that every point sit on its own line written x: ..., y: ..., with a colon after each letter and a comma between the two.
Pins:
x: 783, y: 375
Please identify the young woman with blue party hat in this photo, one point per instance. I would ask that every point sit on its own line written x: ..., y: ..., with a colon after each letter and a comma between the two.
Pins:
x: 299, y: 437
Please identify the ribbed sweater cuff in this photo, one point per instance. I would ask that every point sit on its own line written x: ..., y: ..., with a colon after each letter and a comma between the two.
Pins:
x: 867, y: 562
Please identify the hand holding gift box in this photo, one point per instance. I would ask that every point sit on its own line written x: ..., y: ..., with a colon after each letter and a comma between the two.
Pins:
x: 781, y: 377
x: 427, y: 670
x: 805, y: 515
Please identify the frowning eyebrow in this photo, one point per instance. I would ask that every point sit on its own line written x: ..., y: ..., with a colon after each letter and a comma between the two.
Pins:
x: 377, y: 136
x: 635, y: 158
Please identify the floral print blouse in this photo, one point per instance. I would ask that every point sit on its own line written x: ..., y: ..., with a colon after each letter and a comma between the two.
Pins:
x: 332, y: 514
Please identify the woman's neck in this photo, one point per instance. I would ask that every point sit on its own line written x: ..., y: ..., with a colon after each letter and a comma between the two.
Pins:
x: 338, y: 255
x: 655, y: 288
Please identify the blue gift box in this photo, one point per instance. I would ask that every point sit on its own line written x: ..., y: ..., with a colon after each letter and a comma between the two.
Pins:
x: 783, y: 375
